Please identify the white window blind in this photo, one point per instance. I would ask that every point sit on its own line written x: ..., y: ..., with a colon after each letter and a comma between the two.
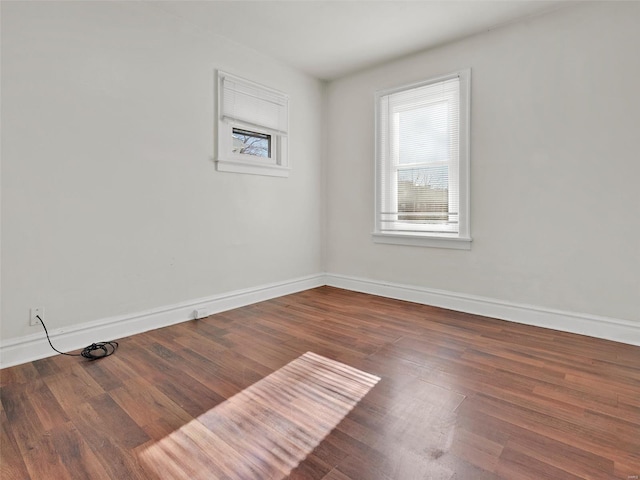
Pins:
x: 422, y: 160
x: 253, y: 105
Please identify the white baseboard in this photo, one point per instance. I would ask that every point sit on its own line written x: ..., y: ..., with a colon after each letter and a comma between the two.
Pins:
x: 623, y: 331
x: 35, y: 346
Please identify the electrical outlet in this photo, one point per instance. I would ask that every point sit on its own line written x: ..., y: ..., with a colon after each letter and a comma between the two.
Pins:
x: 35, y: 312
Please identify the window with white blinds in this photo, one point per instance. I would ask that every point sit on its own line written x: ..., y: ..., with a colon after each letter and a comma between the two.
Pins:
x: 253, y: 123
x: 422, y: 169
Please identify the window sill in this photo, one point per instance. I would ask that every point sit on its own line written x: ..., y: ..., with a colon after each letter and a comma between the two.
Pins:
x: 252, y: 168
x: 422, y: 240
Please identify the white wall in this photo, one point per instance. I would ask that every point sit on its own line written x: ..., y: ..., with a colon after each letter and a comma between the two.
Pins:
x: 111, y: 203
x: 555, y: 166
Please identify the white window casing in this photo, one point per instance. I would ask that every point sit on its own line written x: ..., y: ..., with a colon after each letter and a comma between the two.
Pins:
x: 423, y: 164
x: 262, y: 114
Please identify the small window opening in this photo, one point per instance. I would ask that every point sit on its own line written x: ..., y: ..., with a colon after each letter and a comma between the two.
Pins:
x: 251, y: 143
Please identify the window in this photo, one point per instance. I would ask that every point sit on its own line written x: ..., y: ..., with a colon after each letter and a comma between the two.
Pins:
x: 252, y: 121
x: 422, y: 163
x: 251, y: 143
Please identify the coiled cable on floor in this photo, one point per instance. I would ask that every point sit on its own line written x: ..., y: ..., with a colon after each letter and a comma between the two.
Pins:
x: 91, y: 352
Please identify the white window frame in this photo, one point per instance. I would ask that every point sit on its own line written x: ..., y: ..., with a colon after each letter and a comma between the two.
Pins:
x: 395, y: 232
x: 227, y: 160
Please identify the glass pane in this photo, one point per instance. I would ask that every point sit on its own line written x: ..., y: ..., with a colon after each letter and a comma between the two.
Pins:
x: 423, y: 134
x: 423, y: 194
x: 251, y: 143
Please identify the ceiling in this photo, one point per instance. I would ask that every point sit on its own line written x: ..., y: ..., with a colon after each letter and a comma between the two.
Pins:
x: 330, y: 39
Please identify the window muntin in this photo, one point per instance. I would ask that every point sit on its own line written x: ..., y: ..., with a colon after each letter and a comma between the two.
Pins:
x: 422, y: 160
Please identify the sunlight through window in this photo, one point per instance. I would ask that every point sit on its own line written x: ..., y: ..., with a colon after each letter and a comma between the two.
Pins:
x: 266, y: 430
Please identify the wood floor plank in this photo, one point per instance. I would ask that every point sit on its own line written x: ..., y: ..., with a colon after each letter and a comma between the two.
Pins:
x: 460, y: 396
x: 563, y: 456
x: 145, y: 404
x: 73, y: 386
x: 513, y: 464
x: 477, y: 449
x: 76, y: 455
x: 112, y: 439
x: 12, y: 466
x: 175, y: 381
x: 572, y: 432
x: 19, y: 374
x: 34, y: 443
x: 336, y: 474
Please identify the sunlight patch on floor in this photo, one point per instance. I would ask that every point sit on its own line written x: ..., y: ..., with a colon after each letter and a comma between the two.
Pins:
x: 267, y: 429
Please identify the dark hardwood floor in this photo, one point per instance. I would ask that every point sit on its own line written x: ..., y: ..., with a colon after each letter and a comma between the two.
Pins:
x: 460, y: 397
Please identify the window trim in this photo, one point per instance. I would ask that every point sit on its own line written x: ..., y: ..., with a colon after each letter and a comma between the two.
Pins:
x: 462, y: 240
x: 277, y: 165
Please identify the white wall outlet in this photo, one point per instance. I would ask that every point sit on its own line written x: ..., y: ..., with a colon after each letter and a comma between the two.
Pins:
x: 34, y: 313
x: 199, y: 313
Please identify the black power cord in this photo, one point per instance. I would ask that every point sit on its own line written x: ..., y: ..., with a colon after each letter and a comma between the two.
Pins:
x: 92, y: 352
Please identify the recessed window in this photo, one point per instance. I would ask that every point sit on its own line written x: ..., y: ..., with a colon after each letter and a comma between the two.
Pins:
x: 422, y: 163
x: 253, y: 121
x: 246, y: 142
